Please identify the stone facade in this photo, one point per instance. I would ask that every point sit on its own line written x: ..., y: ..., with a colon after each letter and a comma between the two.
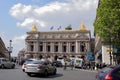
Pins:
x: 58, y: 43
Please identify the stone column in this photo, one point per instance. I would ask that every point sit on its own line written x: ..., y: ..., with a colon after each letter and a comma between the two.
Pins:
x: 88, y: 46
x: 36, y: 45
x: 52, y: 47
x: 76, y: 46
x: 79, y: 47
x: 28, y: 46
x: 60, y: 47
x: 44, y: 47
x: 68, y: 47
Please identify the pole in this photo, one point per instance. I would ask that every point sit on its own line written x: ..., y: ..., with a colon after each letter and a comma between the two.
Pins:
x: 110, y: 53
x: 10, y: 49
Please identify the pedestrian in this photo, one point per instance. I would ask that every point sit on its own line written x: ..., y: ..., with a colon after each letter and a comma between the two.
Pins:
x: 88, y: 65
x: 97, y: 66
x: 72, y: 64
x: 65, y: 64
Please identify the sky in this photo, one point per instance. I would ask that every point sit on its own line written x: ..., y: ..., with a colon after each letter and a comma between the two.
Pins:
x: 18, y: 16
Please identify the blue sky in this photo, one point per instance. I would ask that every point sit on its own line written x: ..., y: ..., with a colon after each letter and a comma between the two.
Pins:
x: 18, y: 16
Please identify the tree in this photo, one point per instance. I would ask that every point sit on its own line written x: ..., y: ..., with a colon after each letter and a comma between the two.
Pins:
x: 107, y: 23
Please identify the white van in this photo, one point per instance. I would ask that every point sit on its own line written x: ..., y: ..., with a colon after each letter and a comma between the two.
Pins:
x: 78, y: 62
x: 62, y: 61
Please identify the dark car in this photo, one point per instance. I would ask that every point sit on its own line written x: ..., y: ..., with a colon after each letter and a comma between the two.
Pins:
x: 109, y: 73
x: 57, y: 63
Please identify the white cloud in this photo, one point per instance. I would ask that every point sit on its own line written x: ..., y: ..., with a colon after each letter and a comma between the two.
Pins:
x: 31, y: 21
x: 55, y: 13
x: 18, y: 44
x: 21, y: 11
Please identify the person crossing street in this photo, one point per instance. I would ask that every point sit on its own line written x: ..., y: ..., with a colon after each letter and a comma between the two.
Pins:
x: 65, y: 64
x: 72, y: 64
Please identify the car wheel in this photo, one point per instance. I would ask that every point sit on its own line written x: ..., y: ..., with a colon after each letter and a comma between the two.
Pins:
x: 29, y: 74
x: 45, y: 73
x: 13, y: 66
x: 23, y: 70
x: 2, y: 66
x: 54, y: 72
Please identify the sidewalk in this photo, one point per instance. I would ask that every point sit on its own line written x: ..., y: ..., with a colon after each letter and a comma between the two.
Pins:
x: 88, y: 70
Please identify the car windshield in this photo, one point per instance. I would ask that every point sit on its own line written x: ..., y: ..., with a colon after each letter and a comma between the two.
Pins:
x: 28, y: 61
x: 36, y: 62
x: 5, y: 60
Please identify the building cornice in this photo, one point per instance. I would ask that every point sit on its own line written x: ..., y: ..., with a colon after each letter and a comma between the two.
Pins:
x: 60, y: 31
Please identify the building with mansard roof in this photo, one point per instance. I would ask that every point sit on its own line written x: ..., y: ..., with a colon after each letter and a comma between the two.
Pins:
x: 60, y: 43
x: 3, y: 49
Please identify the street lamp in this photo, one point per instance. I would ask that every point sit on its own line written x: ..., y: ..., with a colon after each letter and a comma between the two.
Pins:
x: 10, y: 49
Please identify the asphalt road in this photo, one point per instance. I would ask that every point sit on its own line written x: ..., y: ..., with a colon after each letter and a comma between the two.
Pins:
x: 75, y: 74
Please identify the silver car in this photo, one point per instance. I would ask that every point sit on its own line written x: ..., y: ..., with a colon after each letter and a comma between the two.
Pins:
x: 40, y: 67
x: 26, y: 62
x: 5, y: 63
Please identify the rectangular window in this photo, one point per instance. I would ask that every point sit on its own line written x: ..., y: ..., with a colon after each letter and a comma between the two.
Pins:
x: 72, y: 49
x: 64, y: 48
x: 56, y: 48
x: 40, y: 48
x: 82, y: 48
x: 48, y: 48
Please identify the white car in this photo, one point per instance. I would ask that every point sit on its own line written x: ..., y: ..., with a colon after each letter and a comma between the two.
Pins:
x: 5, y: 63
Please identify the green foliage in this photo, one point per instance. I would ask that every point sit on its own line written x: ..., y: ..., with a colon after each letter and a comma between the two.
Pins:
x: 107, y: 23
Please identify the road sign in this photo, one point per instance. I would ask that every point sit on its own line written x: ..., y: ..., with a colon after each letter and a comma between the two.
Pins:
x: 91, y: 56
x: 109, y: 50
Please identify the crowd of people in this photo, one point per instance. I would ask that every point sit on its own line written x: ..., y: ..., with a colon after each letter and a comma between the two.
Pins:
x: 93, y: 66
x: 86, y: 66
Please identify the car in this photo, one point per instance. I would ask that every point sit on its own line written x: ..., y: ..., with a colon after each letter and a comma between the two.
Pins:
x: 40, y: 67
x: 109, y: 73
x: 57, y: 63
x: 6, y: 63
x: 26, y: 62
x: 68, y: 61
x: 78, y: 62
